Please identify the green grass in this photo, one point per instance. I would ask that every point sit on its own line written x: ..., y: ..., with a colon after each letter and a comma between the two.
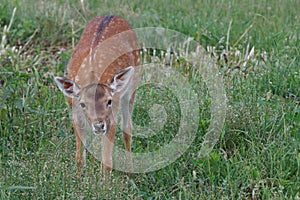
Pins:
x: 258, y: 154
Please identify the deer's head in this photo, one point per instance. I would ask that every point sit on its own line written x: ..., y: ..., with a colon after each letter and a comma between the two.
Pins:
x: 95, y: 100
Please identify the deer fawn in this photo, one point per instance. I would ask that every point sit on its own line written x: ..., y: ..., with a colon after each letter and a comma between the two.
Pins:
x: 102, y: 79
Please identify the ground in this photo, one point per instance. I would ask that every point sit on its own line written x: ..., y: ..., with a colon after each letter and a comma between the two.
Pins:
x: 255, y: 46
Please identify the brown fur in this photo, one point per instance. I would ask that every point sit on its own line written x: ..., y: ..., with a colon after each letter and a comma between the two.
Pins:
x: 95, y: 63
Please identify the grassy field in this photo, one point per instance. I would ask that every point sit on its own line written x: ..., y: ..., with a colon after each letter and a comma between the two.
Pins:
x: 256, y: 45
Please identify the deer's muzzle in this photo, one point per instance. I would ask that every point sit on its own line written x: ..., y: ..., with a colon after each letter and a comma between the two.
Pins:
x: 99, y: 127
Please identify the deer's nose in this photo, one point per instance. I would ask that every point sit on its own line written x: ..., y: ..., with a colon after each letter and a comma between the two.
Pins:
x: 99, y: 127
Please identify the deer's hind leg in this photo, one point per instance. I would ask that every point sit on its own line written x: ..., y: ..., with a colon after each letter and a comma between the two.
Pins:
x: 126, y: 125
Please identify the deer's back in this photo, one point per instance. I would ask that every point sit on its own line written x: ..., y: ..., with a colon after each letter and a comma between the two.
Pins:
x: 107, y: 45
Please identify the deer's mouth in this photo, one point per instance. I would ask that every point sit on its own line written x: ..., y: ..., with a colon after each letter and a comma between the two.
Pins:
x: 99, y: 128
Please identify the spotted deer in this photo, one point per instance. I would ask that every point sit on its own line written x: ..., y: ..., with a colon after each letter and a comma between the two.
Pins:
x: 102, y: 79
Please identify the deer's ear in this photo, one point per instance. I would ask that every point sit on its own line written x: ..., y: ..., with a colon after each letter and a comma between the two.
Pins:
x: 68, y: 87
x: 121, y: 79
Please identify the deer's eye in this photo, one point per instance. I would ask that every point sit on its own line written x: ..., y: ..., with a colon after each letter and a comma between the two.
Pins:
x: 109, y: 102
x: 82, y: 105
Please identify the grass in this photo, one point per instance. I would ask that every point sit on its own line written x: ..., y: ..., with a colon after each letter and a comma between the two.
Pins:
x: 258, y: 153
